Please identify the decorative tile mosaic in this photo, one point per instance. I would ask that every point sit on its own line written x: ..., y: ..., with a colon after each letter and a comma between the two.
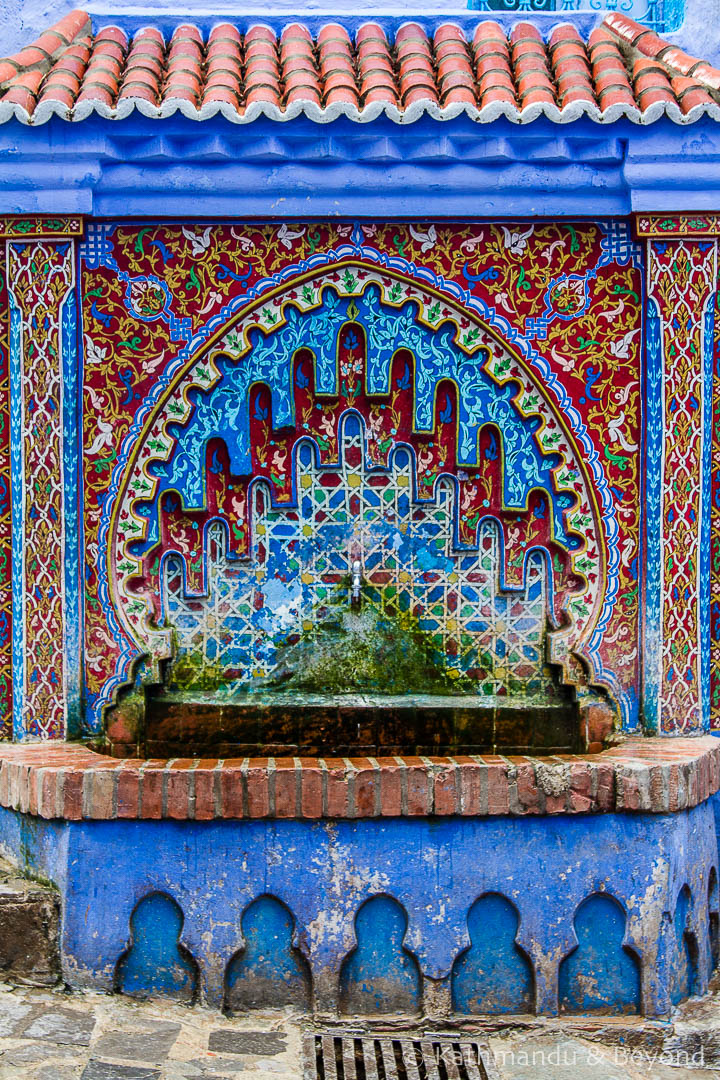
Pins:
x: 37, y: 226
x: 300, y: 566
x: 41, y: 277
x: 715, y: 527
x: 5, y: 522
x: 502, y: 361
x: 672, y: 226
x: 493, y: 393
x: 506, y: 358
x: 681, y: 284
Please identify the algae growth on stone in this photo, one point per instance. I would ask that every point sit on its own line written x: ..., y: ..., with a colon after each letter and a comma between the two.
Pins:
x: 376, y: 649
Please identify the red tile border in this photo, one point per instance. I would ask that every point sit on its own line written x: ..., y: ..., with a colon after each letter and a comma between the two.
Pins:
x: 71, y: 782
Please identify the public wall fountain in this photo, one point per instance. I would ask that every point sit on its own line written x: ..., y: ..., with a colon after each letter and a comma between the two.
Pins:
x: 411, y: 648
x: 357, y: 592
x: 357, y: 558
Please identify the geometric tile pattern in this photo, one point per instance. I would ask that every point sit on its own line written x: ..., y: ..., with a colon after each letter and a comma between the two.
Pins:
x: 301, y: 558
x: 5, y: 522
x: 41, y: 274
x: 681, y: 284
x: 715, y: 528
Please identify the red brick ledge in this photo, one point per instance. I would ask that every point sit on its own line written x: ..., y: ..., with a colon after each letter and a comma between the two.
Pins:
x: 73, y: 783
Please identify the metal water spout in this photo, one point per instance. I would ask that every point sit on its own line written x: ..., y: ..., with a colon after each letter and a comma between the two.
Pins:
x: 356, y: 590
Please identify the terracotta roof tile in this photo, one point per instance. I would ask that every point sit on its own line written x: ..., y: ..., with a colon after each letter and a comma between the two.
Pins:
x: 223, y: 70
x: 336, y: 64
x: 708, y: 76
x: 24, y: 89
x: 678, y: 60
x: 622, y: 69
x: 689, y: 92
x: 674, y: 61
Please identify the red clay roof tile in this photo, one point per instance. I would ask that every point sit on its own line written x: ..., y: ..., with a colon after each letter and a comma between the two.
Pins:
x: 708, y: 76
x: 689, y: 93
x: 622, y: 67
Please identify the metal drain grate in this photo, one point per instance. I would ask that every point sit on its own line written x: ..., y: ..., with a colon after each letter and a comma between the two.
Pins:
x: 397, y: 1057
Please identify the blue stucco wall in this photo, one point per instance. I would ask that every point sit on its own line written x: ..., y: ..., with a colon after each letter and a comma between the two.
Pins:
x: 443, y: 170
x: 433, y: 871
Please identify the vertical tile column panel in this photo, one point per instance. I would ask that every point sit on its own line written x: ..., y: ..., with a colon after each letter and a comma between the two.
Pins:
x: 6, y: 598
x: 654, y: 446
x: 43, y: 394
x: 681, y: 277
x: 715, y: 530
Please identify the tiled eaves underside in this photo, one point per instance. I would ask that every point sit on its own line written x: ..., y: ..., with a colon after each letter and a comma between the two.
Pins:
x: 622, y: 71
x: 642, y: 775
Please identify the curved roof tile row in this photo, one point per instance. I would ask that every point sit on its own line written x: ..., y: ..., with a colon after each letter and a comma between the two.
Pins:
x: 622, y: 69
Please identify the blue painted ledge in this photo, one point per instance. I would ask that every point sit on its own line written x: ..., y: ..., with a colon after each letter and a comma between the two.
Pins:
x: 630, y: 894
x: 455, y: 169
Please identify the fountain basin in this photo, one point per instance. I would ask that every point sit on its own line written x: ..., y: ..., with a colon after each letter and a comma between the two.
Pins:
x: 209, y: 723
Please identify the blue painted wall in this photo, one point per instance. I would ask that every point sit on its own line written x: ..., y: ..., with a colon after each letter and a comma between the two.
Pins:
x: 434, y: 869
x: 155, y: 961
x: 602, y: 975
x: 144, y: 167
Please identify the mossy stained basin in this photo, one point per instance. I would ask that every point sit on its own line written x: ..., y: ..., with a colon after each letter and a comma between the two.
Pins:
x: 275, y: 722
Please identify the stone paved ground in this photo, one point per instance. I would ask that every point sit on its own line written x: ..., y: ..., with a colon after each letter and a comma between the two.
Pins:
x: 54, y: 1035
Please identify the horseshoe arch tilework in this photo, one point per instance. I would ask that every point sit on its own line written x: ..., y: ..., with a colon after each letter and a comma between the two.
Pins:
x: 212, y: 396
x: 110, y: 253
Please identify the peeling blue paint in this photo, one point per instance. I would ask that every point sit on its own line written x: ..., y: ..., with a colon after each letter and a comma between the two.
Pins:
x: 602, y: 974
x: 435, y: 869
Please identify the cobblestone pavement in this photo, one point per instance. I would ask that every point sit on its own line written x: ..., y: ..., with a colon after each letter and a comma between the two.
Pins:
x: 55, y: 1035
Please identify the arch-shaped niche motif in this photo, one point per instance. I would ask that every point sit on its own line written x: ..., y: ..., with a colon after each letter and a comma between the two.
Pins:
x: 685, y: 968
x: 294, y: 363
x: 602, y: 973
x: 493, y: 975
x: 270, y: 971
x: 156, y: 962
x: 380, y: 975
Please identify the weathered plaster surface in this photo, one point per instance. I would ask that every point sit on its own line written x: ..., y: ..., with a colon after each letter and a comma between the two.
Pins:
x: 324, y: 872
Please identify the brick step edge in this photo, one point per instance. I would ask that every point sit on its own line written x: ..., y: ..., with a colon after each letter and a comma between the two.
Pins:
x: 73, y: 783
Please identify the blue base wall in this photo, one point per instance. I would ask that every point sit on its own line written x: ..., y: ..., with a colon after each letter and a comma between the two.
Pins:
x: 604, y: 913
